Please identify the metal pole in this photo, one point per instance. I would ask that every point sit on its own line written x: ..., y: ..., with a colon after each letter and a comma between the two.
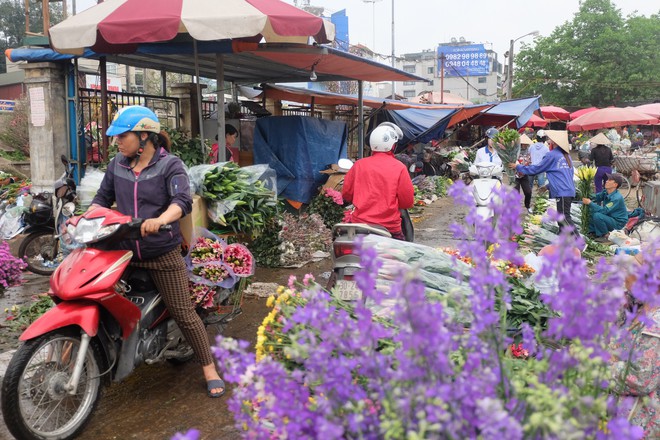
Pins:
x: 199, y: 101
x: 360, y: 120
x: 393, y: 59
x: 442, y: 78
x: 509, y: 89
x: 220, y: 81
x: 104, y: 106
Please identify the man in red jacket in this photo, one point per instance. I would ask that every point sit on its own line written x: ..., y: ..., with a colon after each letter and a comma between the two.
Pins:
x: 379, y: 185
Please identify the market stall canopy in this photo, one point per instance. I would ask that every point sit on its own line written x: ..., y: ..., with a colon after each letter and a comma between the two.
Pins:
x: 517, y: 111
x: 536, y: 121
x: 244, y: 63
x: 650, y: 109
x: 439, y: 98
x: 583, y: 111
x: 119, y: 26
x: 321, y: 97
x: 611, y: 117
x: 551, y: 113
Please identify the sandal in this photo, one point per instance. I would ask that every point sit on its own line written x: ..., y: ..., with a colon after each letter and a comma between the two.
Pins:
x: 214, y: 384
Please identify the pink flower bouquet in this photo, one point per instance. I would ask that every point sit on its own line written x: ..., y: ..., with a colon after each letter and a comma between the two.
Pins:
x: 206, y: 249
x: 206, y: 263
x: 239, y: 259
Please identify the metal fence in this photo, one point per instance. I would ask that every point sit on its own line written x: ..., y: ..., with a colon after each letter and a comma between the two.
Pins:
x: 90, y: 123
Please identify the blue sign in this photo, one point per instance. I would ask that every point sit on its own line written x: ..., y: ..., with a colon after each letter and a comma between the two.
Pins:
x: 465, y: 60
x: 6, y: 105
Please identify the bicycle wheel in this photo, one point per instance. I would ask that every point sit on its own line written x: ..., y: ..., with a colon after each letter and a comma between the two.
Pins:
x: 625, y: 187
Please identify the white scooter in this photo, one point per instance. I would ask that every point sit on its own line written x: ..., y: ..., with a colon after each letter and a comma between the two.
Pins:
x: 487, y: 177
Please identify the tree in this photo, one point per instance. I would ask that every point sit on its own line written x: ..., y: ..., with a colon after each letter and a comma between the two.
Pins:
x: 12, y: 23
x: 599, y: 58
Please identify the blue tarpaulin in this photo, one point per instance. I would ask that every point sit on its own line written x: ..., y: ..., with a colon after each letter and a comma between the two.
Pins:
x: 298, y: 148
x: 417, y: 125
x: 503, y: 113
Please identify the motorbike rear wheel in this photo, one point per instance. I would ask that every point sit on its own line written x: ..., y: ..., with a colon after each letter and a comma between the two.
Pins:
x: 41, y: 251
x: 35, y: 404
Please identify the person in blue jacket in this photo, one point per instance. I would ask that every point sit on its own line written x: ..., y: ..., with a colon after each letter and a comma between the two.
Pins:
x: 558, y: 166
x: 608, y: 208
x: 148, y: 182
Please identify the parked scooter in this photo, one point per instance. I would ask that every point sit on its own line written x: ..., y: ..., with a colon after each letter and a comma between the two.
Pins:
x: 42, y: 249
x: 487, y: 176
x: 109, y: 319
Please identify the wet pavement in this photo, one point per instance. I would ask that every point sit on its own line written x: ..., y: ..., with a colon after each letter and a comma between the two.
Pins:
x: 157, y: 401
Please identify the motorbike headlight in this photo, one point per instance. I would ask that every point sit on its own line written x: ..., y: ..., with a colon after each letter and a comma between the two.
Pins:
x: 90, y: 231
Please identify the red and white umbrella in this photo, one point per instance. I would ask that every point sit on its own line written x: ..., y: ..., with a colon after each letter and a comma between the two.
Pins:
x: 611, y: 117
x: 113, y: 24
x: 536, y: 121
x: 553, y: 113
x: 583, y: 111
x: 650, y: 109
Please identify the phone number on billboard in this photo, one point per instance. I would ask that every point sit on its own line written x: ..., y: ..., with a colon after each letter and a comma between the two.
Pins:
x: 466, y: 56
x: 472, y: 63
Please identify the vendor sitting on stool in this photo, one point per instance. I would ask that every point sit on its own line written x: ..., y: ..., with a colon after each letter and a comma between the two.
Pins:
x: 608, y: 210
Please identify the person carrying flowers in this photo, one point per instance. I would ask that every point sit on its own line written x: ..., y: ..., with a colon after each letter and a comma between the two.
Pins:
x: 608, y: 208
x: 487, y: 153
x: 558, y: 166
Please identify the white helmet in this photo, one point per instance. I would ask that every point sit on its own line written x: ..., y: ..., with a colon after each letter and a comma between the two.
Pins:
x: 384, y: 137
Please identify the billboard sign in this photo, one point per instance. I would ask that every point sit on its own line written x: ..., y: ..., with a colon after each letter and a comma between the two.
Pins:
x: 7, y: 105
x: 464, y: 60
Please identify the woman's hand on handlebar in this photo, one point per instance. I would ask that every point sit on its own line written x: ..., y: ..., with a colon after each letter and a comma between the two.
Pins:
x: 152, y: 226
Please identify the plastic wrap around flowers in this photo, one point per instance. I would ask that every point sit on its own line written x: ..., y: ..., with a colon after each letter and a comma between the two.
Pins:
x: 212, y: 264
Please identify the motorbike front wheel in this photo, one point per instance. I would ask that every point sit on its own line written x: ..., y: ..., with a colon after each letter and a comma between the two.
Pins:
x: 35, y: 402
x: 41, y: 252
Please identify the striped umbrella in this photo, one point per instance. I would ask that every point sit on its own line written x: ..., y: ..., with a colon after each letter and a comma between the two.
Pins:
x: 117, y: 26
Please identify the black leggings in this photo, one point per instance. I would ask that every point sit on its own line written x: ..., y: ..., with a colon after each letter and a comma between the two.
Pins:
x: 524, y: 183
x: 564, y: 207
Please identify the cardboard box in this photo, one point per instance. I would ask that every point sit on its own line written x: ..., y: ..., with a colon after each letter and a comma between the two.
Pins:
x: 198, y: 217
x: 335, y: 177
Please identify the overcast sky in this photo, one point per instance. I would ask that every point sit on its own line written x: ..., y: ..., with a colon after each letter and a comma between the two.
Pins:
x: 422, y: 24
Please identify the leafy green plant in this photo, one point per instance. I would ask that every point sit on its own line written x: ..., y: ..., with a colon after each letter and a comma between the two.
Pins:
x: 265, y: 247
x: 19, y: 317
x: 329, y: 204
x: 188, y: 149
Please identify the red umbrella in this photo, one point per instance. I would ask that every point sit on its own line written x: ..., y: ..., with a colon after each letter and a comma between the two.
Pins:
x: 116, y: 26
x: 552, y: 113
x: 650, y: 109
x: 611, y: 117
x: 576, y: 114
x: 536, y: 121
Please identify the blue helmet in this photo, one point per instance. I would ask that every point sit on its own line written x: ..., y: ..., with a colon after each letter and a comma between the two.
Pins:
x: 492, y: 132
x: 134, y: 118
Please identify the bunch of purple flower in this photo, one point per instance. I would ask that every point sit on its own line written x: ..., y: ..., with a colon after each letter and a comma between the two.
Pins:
x: 10, y: 268
x: 425, y: 375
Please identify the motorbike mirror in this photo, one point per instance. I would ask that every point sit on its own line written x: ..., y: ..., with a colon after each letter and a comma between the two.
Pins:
x: 346, y: 164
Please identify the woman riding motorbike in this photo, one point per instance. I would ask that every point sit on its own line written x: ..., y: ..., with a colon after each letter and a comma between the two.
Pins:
x: 148, y: 182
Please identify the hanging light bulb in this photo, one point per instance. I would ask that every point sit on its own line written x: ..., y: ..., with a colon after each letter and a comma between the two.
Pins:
x: 312, y: 75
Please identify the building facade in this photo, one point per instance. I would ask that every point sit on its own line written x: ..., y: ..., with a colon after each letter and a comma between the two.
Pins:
x: 477, y: 78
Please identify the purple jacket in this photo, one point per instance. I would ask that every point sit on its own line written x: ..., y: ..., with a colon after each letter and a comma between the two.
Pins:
x: 163, y: 182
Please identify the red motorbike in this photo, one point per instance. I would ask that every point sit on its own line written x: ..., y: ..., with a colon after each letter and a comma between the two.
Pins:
x: 108, y: 319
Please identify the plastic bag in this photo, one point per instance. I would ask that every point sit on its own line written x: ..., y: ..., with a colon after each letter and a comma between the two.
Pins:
x: 205, y: 260
x: 196, y: 176
x: 646, y: 230
x: 620, y: 238
x: 11, y: 222
x: 89, y: 186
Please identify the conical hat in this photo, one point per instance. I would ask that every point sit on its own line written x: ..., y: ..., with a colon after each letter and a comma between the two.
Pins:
x: 559, y: 137
x: 524, y: 139
x: 600, y: 139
